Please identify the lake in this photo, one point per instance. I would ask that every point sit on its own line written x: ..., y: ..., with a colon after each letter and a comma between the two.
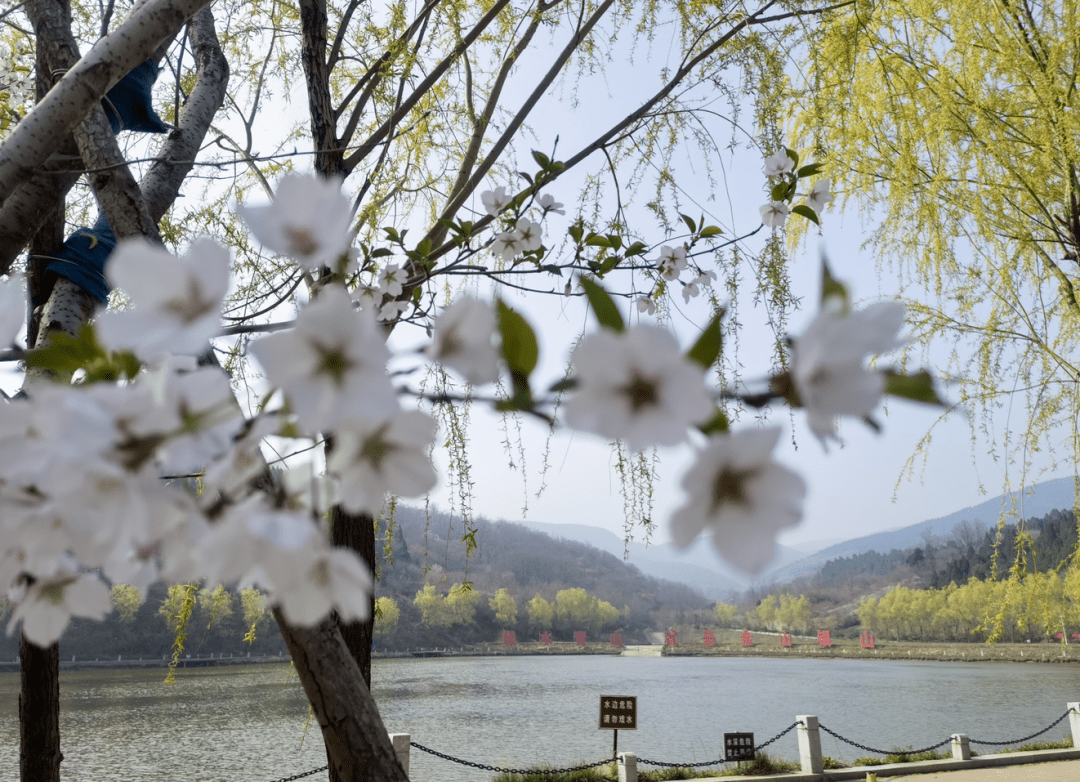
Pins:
x: 246, y: 723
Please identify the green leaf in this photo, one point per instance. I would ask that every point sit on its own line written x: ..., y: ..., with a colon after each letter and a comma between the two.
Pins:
x: 791, y: 153
x: 779, y: 191
x: 519, y: 345
x: 616, y: 241
x: 595, y: 240
x: 607, y: 265
x: 810, y: 170
x: 381, y: 252
x: 637, y: 248
x: 602, y: 305
x: 807, y: 212
x: 541, y: 159
x: 717, y: 424
x: 689, y: 222
x: 707, y: 348
x: 576, y: 231
x: 709, y: 231
x: 831, y: 288
x: 68, y: 354
x: 918, y: 387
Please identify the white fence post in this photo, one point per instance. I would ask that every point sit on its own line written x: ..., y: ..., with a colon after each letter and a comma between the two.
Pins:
x: 1074, y: 723
x: 402, y: 742
x: 809, y: 744
x: 628, y: 767
x: 961, y: 749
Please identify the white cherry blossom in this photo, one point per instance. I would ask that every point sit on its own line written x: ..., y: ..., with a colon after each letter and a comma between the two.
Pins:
x: 671, y: 262
x: 638, y: 387
x: 645, y: 305
x: 46, y: 606
x: 529, y: 233
x: 774, y: 214
x: 742, y: 496
x: 495, y: 201
x: 507, y: 245
x: 392, y: 310
x: 462, y: 340
x: 548, y: 203
x: 177, y: 299
x: 309, y: 221
x: 828, y: 363
x: 328, y: 579
x: 392, y: 280
x: 332, y: 364
x: 779, y: 163
x: 819, y: 196
x: 373, y: 459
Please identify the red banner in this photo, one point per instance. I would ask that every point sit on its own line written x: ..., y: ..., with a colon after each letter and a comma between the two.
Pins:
x: 747, y: 639
x: 823, y: 638
x: 710, y: 640
x: 579, y: 637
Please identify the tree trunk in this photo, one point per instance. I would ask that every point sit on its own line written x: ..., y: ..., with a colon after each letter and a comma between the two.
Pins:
x: 39, y: 713
x: 357, y: 532
x: 358, y: 747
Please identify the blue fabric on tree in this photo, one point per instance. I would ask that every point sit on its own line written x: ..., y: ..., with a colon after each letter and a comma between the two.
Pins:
x: 129, y: 105
x: 83, y: 258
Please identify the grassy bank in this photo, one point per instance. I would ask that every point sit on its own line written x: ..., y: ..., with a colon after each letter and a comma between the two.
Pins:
x: 729, y: 644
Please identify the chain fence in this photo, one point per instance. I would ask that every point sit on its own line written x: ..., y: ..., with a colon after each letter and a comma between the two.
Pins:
x: 1021, y: 741
x: 305, y: 774
x: 498, y: 770
x: 943, y: 743
x: 758, y: 748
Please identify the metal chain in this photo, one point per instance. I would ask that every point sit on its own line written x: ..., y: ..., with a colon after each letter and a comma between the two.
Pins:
x: 788, y: 729
x: 886, y: 751
x: 758, y: 748
x: 1026, y: 738
x: 498, y: 770
x: 305, y: 774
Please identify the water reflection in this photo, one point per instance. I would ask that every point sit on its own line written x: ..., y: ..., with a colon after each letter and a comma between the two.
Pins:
x: 246, y: 723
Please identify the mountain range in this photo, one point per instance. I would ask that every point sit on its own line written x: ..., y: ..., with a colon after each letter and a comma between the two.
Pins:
x: 702, y: 568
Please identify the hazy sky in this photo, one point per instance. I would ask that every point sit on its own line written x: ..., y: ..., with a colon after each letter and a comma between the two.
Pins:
x: 863, y: 487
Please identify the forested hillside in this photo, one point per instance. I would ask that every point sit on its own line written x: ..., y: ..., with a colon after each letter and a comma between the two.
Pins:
x: 944, y: 589
x: 428, y: 551
x: 600, y: 594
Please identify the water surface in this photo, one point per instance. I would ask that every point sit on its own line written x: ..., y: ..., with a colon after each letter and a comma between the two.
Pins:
x: 246, y: 723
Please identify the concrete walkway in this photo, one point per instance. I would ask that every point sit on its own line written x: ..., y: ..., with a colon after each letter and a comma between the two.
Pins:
x: 1059, y: 771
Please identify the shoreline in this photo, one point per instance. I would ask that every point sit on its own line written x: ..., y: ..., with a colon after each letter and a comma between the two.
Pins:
x: 841, y: 650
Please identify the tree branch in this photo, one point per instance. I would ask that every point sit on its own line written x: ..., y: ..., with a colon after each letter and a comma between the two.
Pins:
x: 133, y: 42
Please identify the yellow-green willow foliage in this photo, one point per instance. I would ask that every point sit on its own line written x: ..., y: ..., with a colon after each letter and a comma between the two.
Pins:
x: 955, y: 127
x: 576, y: 609
x: 724, y: 613
x: 126, y: 600
x: 387, y: 615
x: 1032, y: 606
x: 437, y: 610
x: 504, y: 606
x: 540, y: 613
x: 256, y: 614
x: 785, y: 612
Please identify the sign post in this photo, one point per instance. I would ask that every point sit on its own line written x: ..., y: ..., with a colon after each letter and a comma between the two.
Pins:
x: 618, y: 712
